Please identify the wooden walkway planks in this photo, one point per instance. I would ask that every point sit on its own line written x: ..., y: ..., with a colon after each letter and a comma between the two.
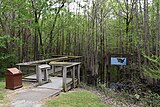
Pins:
x: 56, y: 83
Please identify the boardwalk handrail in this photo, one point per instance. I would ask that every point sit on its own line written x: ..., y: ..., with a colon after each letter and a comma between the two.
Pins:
x: 73, y: 74
x: 74, y: 64
x: 48, y: 60
x: 67, y: 64
x: 42, y: 61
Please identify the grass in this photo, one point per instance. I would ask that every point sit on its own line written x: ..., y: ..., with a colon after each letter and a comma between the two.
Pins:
x: 80, y: 98
x: 2, y: 85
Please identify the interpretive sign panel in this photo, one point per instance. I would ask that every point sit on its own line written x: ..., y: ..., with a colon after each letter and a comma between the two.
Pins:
x: 118, y: 61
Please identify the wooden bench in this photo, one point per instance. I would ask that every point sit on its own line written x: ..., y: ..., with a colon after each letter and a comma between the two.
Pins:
x: 42, y: 69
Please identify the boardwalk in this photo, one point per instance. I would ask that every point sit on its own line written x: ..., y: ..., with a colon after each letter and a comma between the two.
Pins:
x: 51, y: 76
x: 56, y: 83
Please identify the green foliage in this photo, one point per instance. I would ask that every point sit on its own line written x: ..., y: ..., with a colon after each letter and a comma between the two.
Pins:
x: 6, y: 58
x: 141, y: 97
x: 153, y: 73
x: 153, y: 58
x: 77, y: 99
x: 152, y: 70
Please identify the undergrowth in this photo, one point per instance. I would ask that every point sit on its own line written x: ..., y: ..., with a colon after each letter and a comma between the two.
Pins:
x: 126, y: 98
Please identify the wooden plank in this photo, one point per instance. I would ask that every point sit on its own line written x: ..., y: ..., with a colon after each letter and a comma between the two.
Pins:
x: 74, y: 57
x: 41, y: 61
x: 73, y: 64
x: 60, y: 63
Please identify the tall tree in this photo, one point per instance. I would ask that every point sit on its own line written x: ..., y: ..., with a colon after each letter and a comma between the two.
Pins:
x: 157, y: 29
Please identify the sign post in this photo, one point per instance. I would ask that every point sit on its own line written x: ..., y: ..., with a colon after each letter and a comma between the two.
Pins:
x: 116, y: 60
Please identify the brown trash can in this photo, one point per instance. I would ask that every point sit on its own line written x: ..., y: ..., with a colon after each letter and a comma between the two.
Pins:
x: 13, y: 78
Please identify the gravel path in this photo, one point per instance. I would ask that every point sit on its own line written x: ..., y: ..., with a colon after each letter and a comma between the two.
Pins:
x: 20, y: 103
x: 29, y: 96
x: 23, y: 103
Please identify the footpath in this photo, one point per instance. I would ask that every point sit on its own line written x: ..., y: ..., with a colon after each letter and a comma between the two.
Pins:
x: 31, y: 96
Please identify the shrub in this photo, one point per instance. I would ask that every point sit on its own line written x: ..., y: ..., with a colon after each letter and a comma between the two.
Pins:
x: 7, y: 59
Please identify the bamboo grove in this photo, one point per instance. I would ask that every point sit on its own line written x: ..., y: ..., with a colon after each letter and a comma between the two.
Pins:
x: 35, y: 29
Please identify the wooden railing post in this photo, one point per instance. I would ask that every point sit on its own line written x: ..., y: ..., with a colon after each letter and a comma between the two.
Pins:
x: 46, y: 76
x: 73, y: 76
x: 53, y: 69
x: 64, y: 78
x: 39, y: 76
x: 79, y: 74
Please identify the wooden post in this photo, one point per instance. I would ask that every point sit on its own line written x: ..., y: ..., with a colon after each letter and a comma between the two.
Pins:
x: 46, y: 76
x: 39, y: 76
x: 64, y: 78
x: 73, y: 76
x: 19, y: 67
x: 78, y: 74
x: 53, y: 69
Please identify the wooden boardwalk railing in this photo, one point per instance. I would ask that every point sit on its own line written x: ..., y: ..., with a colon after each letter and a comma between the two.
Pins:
x: 72, y: 67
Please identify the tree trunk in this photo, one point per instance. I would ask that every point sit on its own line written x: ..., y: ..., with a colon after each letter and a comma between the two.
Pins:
x: 157, y: 30
x: 146, y: 32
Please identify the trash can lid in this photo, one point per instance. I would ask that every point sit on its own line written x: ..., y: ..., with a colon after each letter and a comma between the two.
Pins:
x: 13, y: 71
